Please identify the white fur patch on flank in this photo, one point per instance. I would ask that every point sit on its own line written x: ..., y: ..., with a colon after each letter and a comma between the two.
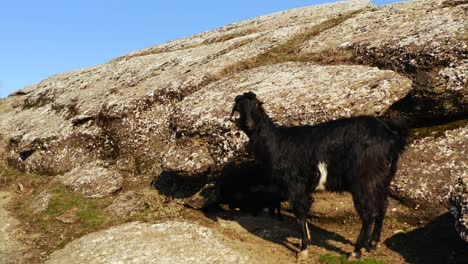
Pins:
x: 322, y: 167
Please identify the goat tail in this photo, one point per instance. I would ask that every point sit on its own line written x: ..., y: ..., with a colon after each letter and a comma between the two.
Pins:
x: 400, y: 128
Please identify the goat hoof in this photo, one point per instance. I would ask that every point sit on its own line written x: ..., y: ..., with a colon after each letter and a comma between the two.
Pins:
x: 355, y: 256
x: 302, y: 255
x: 373, y: 246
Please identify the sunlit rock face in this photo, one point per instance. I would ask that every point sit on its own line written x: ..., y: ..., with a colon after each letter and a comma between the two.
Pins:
x: 165, y: 110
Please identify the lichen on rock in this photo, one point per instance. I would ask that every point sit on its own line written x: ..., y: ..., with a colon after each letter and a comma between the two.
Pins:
x: 127, y: 204
x: 92, y: 180
x: 429, y: 168
x: 136, y: 242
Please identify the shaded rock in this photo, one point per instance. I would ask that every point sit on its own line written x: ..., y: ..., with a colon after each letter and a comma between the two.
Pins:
x: 293, y: 94
x: 167, y: 242
x: 459, y: 205
x: 205, y: 198
x: 92, y: 180
x: 423, y: 39
x: 127, y: 204
x: 429, y: 168
x: 41, y: 202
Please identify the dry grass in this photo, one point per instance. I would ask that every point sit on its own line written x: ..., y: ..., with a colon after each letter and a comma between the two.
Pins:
x: 438, y: 130
x: 290, y: 50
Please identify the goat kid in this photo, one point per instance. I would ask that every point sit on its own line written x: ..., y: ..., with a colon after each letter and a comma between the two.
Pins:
x: 243, y: 186
x: 357, y: 154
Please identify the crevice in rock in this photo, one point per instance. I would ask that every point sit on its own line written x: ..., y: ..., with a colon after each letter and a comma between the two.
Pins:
x: 81, y: 120
x: 423, y: 111
x: 19, y: 93
x: 24, y: 155
x: 430, y: 101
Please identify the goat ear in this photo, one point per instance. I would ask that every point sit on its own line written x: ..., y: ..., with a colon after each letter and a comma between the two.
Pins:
x: 250, y: 95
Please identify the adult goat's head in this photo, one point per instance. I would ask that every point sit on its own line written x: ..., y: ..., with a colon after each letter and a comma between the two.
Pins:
x: 251, y: 113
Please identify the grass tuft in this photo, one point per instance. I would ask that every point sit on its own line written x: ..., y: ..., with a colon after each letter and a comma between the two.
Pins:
x: 87, y: 215
x: 28, y: 180
x: 438, y: 130
x: 342, y: 259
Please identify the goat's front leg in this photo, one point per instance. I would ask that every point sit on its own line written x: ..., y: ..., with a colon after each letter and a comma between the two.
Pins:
x: 305, y: 240
x: 301, y: 208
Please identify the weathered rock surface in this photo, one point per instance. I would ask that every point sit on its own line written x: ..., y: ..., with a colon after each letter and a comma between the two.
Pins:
x: 8, y: 241
x: 167, y: 242
x: 459, y: 205
x: 163, y: 111
x: 121, y: 109
x: 429, y: 168
x: 92, y: 180
x: 425, y: 39
x: 293, y: 94
x: 127, y: 204
x: 41, y: 202
x: 188, y: 156
x: 292, y: 20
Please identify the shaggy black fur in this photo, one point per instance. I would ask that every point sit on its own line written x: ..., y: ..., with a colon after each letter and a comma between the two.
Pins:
x: 357, y: 154
x: 244, y: 186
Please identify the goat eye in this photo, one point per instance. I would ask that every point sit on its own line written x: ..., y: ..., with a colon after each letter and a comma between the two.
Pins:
x: 238, y: 98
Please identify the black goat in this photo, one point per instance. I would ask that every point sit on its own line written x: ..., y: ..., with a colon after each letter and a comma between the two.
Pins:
x: 244, y: 186
x: 357, y: 154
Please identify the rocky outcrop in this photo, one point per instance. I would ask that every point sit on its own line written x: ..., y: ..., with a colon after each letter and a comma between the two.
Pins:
x: 121, y: 110
x: 423, y: 39
x: 166, y: 242
x: 429, y: 168
x: 163, y: 112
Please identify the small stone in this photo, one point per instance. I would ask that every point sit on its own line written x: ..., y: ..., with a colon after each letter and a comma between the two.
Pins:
x: 41, y: 202
x: 127, y: 204
x: 69, y: 216
x: 92, y: 180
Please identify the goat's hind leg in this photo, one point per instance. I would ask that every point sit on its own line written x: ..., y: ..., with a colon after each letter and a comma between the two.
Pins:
x: 375, y: 237
x: 364, y: 235
x: 366, y: 211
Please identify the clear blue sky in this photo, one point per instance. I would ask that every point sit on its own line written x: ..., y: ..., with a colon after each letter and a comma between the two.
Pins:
x: 39, y: 38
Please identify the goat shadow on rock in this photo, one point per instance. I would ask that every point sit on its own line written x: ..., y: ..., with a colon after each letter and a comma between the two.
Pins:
x: 435, y: 242
x: 237, y: 188
x: 284, y: 232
